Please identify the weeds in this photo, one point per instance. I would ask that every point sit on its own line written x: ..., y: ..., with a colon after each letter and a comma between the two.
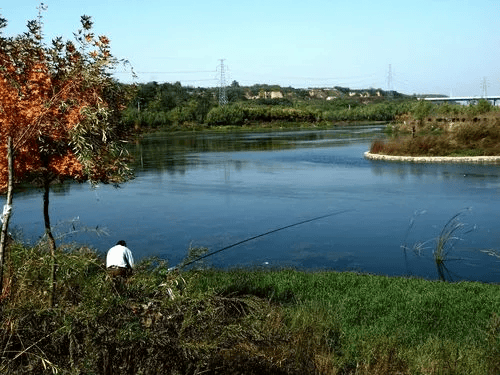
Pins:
x: 240, y: 321
x: 194, y: 255
x: 157, y: 324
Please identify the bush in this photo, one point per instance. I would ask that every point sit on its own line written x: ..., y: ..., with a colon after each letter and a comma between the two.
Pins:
x: 483, y: 106
x: 226, y: 115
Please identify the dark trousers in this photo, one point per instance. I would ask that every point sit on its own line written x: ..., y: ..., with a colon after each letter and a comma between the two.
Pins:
x: 119, y: 272
x: 119, y: 276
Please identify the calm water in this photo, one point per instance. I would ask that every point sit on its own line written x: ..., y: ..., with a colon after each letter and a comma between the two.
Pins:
x: 213, y: 190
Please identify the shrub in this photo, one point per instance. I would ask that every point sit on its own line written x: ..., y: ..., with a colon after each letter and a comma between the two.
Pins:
x: 226, y: 115
x: 483, y: 106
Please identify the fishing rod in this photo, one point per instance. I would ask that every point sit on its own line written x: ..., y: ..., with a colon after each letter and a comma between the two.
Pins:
x: 262, y: 235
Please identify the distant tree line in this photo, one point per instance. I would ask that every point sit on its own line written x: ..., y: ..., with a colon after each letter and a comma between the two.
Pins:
x: 165, y: 105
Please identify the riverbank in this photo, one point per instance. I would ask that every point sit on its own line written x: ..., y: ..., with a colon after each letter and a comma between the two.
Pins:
x: 279, y: 321
x: 434, y: 159
x: 253, y: 127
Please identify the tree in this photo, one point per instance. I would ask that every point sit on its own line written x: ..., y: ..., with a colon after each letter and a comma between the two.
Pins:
x: 60, y: 108
x: 7, y: 210
x: 420, y: 111
x: 235, y: 92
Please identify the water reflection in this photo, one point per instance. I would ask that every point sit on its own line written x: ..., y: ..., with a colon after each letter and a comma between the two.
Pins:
x: 480, y: 176
x: 60, y: 189
x: 178, y: 153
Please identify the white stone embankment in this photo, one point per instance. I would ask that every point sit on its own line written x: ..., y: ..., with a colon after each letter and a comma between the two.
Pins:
x: 435, y: 159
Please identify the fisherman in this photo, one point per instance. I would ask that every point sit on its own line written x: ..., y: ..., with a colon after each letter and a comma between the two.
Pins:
x: 119, y: 261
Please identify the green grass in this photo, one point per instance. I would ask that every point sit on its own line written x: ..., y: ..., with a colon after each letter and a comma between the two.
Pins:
x: 242, y: 321
x: 373, y: 313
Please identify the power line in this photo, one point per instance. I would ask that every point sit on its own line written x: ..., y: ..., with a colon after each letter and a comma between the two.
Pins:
x: 223, y: 72
x: 346, y: 78
x: 179, y: 72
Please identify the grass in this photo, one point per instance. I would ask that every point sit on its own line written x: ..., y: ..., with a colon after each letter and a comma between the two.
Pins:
x: 377, y: 322
x: 240, y: 321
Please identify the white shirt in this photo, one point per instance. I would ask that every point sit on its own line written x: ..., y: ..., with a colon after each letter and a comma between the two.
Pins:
x: 119, y: 256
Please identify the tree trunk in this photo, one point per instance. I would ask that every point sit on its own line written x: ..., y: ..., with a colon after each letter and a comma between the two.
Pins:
x: 6, y: 218
x: 50, y: 239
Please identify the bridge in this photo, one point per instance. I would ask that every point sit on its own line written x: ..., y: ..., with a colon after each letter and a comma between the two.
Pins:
x: 466, y: 99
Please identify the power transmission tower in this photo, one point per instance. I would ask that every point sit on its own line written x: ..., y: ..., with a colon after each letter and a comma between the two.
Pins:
x: 222, y: 84
x: 484, y: 87
x: 41, y: 8
x: 389, y: 81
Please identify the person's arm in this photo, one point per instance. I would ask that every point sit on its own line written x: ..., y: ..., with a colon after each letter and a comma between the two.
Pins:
x: 129, y: 258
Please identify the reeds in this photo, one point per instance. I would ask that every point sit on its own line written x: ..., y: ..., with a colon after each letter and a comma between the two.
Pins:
x: 447, y: 237
x: 442, y: 245
x: 450, y: 233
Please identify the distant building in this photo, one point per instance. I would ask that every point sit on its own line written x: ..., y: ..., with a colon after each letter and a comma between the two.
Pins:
x: 318, y: 93
x: 276, y: 95
x: 265, y: 95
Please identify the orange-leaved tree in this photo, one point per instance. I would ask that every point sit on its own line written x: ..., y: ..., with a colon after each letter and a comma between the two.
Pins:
x: 60, y: 108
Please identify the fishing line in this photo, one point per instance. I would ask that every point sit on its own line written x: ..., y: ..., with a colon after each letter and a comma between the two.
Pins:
x: 265, y: 234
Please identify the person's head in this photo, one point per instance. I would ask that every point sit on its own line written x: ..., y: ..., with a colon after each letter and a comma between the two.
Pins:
x: 121, y: 242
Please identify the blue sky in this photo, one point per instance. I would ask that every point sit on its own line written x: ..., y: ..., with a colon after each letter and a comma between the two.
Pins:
x: 429, y: 46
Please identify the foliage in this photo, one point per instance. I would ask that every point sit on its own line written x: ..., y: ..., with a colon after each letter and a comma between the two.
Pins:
x: 60, y: 108
x: 161, y: 105
x: 172, y: 105
x: 58, y: 105
x: 421, y: 110
x: 166, y: 105
x: 226, y: 115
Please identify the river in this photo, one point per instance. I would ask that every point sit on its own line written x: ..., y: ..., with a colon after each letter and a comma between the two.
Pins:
x: 215, y: 189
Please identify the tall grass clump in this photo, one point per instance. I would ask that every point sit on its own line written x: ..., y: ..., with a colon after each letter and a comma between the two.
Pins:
x: 442, y: 245
x: 447, y: 236
x: 450, y: 233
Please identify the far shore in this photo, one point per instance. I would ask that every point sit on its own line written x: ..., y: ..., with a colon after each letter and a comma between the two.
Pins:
x: 434, y: 159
